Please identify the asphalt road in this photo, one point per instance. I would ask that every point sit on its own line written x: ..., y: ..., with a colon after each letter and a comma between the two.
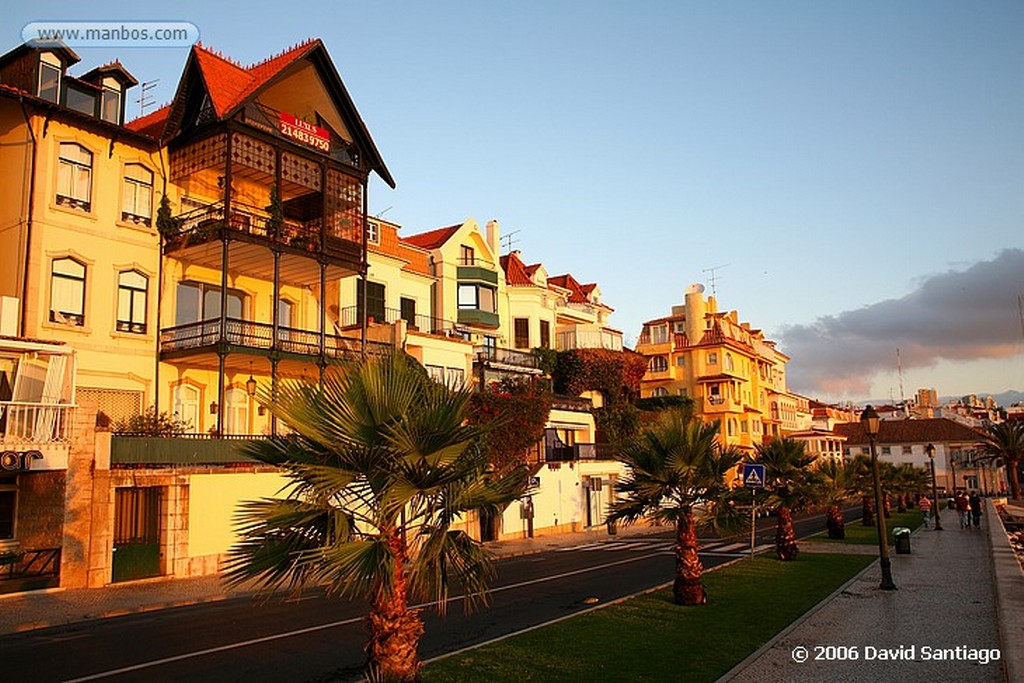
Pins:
x: 315, y: 638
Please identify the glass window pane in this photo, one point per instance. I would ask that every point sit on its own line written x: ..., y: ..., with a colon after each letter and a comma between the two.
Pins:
x: 111, y: 107
x: 49, y: 82
x: 81, y: 188
x: 187, y: 309
x: 124, y: 304
x: 133, y: 278
x: 68, y: 266
x: 467, y: 296
x: 139, y: 307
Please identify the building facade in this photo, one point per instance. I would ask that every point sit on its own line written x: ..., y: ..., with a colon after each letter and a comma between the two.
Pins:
x: 735, y: 376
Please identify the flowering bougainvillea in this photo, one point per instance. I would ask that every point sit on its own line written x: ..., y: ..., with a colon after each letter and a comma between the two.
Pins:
x: 516, y: 412
x: 616, y: 374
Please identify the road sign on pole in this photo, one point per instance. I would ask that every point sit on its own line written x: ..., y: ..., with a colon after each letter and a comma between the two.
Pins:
x: 753, y: 475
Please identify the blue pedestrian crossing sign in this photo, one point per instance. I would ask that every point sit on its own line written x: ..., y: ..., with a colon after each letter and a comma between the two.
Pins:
x: 753, y: 475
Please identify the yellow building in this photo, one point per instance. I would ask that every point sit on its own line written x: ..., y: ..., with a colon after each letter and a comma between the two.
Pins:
x: 734, y: 375
x: 236, y: 284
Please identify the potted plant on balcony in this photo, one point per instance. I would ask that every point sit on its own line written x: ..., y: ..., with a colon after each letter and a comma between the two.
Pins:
x: 276, y: 210
x: 167, y: 225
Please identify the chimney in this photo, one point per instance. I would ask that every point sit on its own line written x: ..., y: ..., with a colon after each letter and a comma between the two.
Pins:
x: 494, y: 237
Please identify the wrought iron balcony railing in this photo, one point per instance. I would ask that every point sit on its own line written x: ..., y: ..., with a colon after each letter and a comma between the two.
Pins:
x: 579, y: 451
x: 260, y: 335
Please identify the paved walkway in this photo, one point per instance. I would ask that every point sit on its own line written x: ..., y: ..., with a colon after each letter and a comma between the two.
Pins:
x: 945, y: 601
x: 40, y: 609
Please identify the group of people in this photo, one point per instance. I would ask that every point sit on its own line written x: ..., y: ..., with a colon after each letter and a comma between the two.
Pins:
x: 968, y: 507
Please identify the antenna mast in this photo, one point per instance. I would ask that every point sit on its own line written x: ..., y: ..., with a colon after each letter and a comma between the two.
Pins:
x: 899, y: 367
x: 507, y: 241
x: 714, y: 281
x: 145, y: 99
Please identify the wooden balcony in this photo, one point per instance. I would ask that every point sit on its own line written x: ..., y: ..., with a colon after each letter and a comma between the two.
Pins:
x: 253, y: 236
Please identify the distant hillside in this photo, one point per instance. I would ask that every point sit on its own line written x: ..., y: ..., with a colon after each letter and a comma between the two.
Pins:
x: 1007, y: 398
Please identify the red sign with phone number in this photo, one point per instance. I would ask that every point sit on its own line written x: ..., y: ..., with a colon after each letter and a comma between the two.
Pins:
x: 297, y: 129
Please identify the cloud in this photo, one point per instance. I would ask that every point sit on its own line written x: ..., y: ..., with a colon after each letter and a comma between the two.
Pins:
x: 955, y: 316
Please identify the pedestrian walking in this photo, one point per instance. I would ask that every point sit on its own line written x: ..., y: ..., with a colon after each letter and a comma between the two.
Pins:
x: 963, y: 507
x: 926, y: 509
x: 974, y: 502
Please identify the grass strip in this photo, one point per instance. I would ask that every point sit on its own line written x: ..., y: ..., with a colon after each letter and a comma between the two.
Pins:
x: 649, y: 638
x: 858, y: 534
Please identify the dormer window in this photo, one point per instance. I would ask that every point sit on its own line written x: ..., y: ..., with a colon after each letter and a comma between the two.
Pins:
x: 49, y: 82
x: 78, y: 98
x: 372, y: 234
x: 110, y: 105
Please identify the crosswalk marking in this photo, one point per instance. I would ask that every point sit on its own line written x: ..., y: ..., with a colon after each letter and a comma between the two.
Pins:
x: 710, y: 545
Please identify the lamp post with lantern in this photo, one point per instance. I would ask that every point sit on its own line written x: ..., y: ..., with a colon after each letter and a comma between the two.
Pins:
x: 872, y: 424
x: 930, y: 449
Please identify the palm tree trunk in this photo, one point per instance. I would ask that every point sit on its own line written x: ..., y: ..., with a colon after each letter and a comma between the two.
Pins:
x: 901, y: 503
x: 688, y: 587
x: 395, y: 629
x: 1011, y: 472
x: 867, y: 511
x: 887, y: 505
x: 785, y: 537
x: 836, y: 525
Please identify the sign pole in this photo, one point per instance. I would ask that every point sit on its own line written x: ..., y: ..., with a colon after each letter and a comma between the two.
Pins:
x: 753, y: 519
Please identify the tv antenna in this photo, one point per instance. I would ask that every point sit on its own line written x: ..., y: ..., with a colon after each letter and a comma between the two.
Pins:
x: 145, y: 99
x: 507, y: 241
x: 381, y: 213
x: 714, y: 279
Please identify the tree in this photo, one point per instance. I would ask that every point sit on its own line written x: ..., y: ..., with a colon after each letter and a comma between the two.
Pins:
x: 150, y: 423
x: 676, y: 474
x: 860, y: 471
x: 1006, y: 440
x: 790, y: 485
x: 513, y: 413
x: 836, y: 484
x: 382, y: 463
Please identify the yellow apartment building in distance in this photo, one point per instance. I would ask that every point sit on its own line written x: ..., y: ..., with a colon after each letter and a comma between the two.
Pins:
x: 735, y: 376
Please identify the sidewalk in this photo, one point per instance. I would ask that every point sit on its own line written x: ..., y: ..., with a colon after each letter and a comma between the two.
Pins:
x: 54, y: 607
x: 946, y: 599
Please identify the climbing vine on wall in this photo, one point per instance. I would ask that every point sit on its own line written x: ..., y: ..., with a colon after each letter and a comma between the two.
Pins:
x: 515, y: 412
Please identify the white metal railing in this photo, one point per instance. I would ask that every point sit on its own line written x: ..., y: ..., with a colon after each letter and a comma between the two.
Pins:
x: 35, y: 422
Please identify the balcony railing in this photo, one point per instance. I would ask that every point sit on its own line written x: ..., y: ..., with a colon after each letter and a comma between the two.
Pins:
x: 35, y: 422
x: 205, y: 223
x: 258, y: 335
x: 494, y: 354
x: 572, y: 404
x: 350, y: 317
x: 579, y: 451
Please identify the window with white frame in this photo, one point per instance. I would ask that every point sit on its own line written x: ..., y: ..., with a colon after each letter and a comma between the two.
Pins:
x: 659, y: 392
x: 680, y: 361
x: 67, y: 291
x: 110, y: 105
x: 132, y: 293
x: 186, y: 406
x: 712, y: 358
x: 455, y: 377
x: 372, y: 232
x: 49, y: 82
x: 74, y: 176
x: 658, y: 364
x: 137, y: 195
x: 436, y: 373
x: 659, y: 334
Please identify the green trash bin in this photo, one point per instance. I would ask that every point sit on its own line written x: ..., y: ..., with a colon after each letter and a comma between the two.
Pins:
x: 901, y: 534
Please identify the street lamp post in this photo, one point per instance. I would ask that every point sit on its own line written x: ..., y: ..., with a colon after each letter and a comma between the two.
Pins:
x: 872, y: 423
x: 935, y: 492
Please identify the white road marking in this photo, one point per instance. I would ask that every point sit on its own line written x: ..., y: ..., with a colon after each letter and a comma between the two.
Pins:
x: 344, y: 622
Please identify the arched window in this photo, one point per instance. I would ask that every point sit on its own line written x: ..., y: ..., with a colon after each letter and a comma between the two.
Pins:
x: 132, y: 294
x: 137, y: 195
x: 236, y: 412
x: 67, y: 291
x: 658, y: 364
x: 728, y: 362
x: 74, y: 176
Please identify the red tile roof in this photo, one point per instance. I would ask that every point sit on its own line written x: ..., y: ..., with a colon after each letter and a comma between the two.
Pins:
x: 228, y: 82
x: 910, y: 431
x: 152, y: 124
x: 515, y: 271
x: 432, y: 239
x: 576, y: 293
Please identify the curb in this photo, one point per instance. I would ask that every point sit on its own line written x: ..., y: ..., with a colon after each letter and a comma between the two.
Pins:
x: 1009, y: 595
x: 739, y: 668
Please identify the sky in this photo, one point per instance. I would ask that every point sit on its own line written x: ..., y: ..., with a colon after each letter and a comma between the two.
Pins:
x: 851, y: 173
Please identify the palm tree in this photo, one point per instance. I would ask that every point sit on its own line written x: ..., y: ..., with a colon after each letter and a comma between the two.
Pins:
x: 860, y: 469
x: 836, y: 484
x: 381, y: 464
x: 790, y: 485
x: 1006, y: 440
x: 907, y: 481
x: 676, y: 474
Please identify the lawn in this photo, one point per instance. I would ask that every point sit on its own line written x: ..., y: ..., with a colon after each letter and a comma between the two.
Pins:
x: 649, y: 638
x: 859, y: 534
